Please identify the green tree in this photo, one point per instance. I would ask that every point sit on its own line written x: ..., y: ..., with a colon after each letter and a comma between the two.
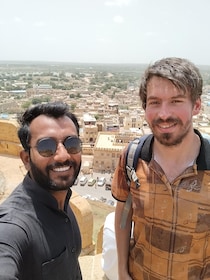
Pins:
x: 73, y: 105
x: 26, y: 104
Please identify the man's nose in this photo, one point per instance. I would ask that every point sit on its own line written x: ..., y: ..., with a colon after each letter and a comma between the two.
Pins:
x: 61, y: 153
x: 164, y: 111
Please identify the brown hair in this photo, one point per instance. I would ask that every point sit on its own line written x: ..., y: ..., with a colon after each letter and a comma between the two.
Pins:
x: 181, y: 72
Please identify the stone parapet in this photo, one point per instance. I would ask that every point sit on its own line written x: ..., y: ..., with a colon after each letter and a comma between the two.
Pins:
x: 9, y: 141
x: 84, y: 215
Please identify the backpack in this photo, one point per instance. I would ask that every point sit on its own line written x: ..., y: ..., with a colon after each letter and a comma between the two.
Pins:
x: 135, y: 151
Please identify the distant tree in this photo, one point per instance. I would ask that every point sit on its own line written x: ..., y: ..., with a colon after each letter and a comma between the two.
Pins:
x: 69, y: 86
x: 65, y: 80
x: 113, y: 95
x: 9, y: 87
x: 62, y: 75
x: 18, y: 97
x: 37, y: 100
x: 30, y: 85
x: 73, y: 105
x: 26, y: 104
x: 81, y: 75
x: 54, y: 79
x: 53, y: 85
x: 123, y: 107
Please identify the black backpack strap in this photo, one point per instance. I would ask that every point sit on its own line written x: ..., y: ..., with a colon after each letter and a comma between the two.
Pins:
x: 133, y: 153
x: 203, y: 159
x: 138, y: 148
x: 206, y: 142
x: 125, y: 212
x: 132, y: 156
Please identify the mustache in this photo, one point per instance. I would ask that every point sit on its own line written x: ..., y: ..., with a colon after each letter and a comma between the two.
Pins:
x: 168, y: 120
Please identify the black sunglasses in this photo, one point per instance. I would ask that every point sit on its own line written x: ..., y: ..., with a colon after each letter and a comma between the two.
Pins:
x: 47, y: 147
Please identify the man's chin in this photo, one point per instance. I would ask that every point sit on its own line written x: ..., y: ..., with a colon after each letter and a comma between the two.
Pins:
x: 169, y: 141
x: 59, y: 187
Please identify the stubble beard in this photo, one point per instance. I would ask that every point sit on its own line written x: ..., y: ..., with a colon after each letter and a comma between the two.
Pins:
x: 167, y: 139
x: 45, y: 181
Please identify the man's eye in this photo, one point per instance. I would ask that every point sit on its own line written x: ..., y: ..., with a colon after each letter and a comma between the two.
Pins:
x: 176, y: 101
x: 153, y: 102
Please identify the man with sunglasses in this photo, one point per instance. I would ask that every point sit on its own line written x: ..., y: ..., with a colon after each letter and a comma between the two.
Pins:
x: 39, y: 235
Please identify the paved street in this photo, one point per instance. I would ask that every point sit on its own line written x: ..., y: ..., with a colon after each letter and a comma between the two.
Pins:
x: 94, y: 192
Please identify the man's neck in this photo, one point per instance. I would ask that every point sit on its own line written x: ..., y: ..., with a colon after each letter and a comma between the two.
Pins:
x: 189, y: 147
x: 175, y: 159
x: 60, y: 196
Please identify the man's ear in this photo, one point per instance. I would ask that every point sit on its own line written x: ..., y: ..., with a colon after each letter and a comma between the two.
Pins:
x: 24, y: 155
x: 197, y: 107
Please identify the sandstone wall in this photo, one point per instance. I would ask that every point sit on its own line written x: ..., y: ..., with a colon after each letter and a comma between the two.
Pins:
x: 9, y: 141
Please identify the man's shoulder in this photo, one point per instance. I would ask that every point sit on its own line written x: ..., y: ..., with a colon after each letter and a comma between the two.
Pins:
x: 140, y: 148
x: 206, y: 137
x: 15, y: 205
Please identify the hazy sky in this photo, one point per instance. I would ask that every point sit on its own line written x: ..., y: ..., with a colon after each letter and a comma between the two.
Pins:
x: 104, y: 31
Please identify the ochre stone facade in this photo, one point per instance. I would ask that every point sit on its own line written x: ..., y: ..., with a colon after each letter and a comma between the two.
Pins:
x: 9, y: 141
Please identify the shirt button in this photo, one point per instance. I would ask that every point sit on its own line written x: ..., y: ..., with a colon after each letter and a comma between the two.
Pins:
x: 66, y: 220
x: 73, y: 250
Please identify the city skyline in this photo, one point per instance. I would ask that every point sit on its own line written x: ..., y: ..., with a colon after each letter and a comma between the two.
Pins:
x: 104, y: 31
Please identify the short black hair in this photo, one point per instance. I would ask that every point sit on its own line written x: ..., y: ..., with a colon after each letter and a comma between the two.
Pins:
x: 51, y: 109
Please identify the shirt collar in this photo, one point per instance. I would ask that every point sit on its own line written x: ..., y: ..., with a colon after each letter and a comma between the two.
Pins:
x: 39, y: 194
x: 146, y: 153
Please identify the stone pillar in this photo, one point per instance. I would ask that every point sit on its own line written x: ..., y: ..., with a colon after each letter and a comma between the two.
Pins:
x: 84, y: 215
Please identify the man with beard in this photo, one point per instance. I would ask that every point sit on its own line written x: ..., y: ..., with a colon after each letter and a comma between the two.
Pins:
x: 170, y: 210
x: 39, y: 235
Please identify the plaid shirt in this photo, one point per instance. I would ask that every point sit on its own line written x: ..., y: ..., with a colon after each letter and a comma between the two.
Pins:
x: 172, y: 222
